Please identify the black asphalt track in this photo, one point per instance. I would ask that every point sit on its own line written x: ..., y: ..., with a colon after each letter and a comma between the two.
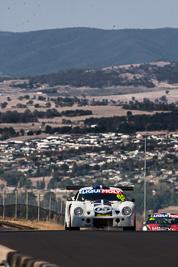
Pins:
x: 97, y: 248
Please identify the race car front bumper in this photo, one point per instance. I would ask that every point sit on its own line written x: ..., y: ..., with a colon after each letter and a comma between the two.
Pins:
x: 103, y: 221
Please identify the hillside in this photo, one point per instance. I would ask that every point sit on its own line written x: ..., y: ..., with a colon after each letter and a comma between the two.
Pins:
x: 48, y: 51
x: 115, y: 80
x: 144, y: 75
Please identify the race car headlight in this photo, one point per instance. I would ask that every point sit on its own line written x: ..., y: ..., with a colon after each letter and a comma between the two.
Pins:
x: 144, y: 228
x: 126, y: 211
x: 78, y: 211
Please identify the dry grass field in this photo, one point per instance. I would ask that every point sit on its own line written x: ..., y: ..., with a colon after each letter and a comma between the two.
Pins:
x: 172, y: 96
x: 97, y: 111
x: 37, y: 225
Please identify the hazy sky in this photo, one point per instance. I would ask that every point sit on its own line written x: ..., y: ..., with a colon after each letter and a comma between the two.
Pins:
x: 30, y: 15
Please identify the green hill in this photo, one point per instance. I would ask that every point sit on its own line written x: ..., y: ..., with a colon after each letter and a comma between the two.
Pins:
x: 49, y: 51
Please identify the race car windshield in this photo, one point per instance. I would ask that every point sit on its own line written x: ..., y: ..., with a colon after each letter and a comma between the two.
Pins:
x: 96, y: 196
x: 162, y: 220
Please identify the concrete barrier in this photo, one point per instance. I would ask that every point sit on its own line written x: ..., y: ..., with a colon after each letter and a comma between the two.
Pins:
x: 13, y: 258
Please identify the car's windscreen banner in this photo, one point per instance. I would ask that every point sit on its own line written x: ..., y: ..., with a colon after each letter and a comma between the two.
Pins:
x: 164, y: 215
x: 102, y: 191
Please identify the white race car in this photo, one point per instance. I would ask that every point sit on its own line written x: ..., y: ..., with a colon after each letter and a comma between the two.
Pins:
x: 100, y: 206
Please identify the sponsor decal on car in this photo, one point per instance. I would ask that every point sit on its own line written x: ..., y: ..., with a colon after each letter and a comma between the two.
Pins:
x: 102, y: 214
x: 158, y: 228
x: 121, y: 197
x: 173, y: 215
x: 103, y: 211
x: 90, y: 191
x: 160, y: 215
x: 102, y: 191
x: 111, y: 191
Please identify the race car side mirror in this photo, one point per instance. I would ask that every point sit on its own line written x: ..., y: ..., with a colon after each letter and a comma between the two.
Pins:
x: 69, y: 199
x: 133, y: 199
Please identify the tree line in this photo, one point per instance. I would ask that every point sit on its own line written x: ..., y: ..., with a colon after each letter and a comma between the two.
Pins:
x: 165, y: 195
x: 125, y: 124
x: 133, y: 123
x: 129, y: 124
x: 141, y: 75
x: 148, y: 105
x: 92, y: 78
x: 32, y: 116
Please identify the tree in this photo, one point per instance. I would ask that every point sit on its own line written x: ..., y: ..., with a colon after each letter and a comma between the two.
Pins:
x: 14, y: 178
x: 48, y: 198
x: 24, y: 182
x: 40, y: 184
x: 4, y: 105
x: 129, y: 113
x: 48, y: 105
x: 163, y: 99
x: 22, y: 132
x: 48, y: 195
x: 56, y: 176
x: 41, y: 98
x: 31, y: 132
x: 156, y: 204
x: 30, y: 102
x: 64, y: 167
x: 38, y: 132
x: 146, y: 100
x: 48, y: 129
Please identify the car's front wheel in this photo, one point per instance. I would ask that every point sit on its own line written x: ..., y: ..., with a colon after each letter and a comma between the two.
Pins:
x: 66, y: 228
x: 131, y: 228
x: 72, y: 228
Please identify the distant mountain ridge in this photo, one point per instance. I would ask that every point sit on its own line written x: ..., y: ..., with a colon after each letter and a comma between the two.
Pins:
x: 49, y: 51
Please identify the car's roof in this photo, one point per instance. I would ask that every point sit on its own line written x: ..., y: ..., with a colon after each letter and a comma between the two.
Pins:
x: 100, y: 187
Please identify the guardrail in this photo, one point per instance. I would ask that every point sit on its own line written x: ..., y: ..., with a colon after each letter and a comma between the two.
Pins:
x: 29, y: 206
x: 10, y: 257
